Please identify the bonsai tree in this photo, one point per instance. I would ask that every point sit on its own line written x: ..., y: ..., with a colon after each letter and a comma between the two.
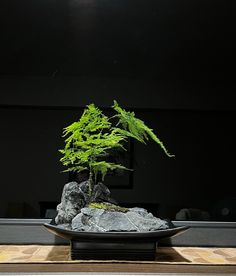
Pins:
x: 89, y: 140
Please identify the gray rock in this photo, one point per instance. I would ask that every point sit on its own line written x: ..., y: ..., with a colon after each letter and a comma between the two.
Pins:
x: 101, y: 193
x: 75, y: 196
x: 72, y: 201
x: 100, y: 220
x: 145, y: 221
x: 66, y: 226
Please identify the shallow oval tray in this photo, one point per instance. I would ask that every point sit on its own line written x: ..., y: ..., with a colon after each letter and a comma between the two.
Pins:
x: 147, y: 236
x: 114, y: 245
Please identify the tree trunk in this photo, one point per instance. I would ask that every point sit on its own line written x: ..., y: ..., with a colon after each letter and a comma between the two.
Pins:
x: 90, y: 183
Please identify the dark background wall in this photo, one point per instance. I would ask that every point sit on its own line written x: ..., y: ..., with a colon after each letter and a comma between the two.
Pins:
x: 170, y: 61
x: 165, y: 54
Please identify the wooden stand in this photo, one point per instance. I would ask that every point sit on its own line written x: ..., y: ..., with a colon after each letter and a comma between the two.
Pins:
x: 112, y: 250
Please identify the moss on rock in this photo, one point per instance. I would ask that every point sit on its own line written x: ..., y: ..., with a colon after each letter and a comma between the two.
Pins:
x: 108, y: 206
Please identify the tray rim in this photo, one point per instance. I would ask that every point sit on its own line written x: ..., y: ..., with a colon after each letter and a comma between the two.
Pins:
x: 157, y: 234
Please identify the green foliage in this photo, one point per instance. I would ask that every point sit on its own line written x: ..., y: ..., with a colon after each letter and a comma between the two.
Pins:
x: 135, y: 127
x: 89, y: 140
x: 103, y: 167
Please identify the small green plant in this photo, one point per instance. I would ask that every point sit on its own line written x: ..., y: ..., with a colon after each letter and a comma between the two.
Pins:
x: 89, y: 140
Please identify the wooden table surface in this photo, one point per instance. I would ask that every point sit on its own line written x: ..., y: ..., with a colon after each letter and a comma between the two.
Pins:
x: 43, y: 258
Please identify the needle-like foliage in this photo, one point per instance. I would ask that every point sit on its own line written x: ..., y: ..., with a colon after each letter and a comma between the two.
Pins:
x: 89, y: 140
x: 135, y: 127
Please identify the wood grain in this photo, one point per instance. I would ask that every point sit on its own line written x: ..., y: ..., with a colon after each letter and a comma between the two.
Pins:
x: 117, y: 267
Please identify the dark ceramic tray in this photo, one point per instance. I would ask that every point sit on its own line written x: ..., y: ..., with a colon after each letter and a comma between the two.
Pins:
x: 114, y: 245
x: 147, y: 236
